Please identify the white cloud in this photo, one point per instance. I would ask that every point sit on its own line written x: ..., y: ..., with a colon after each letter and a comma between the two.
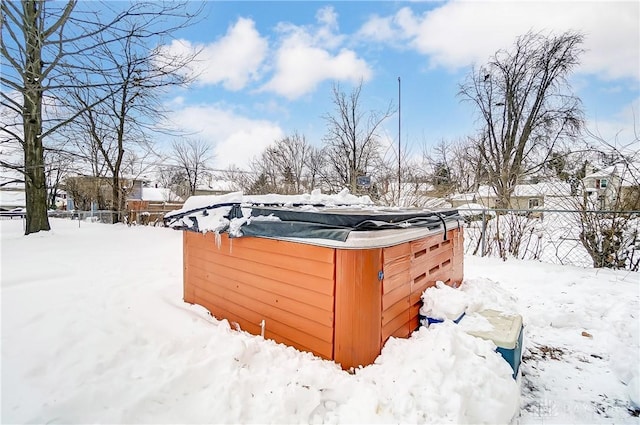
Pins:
x: 233, y: 60
x: 307, y: 56
x: 378, y: 29
x: 457, y: 34
x: 236, y: 138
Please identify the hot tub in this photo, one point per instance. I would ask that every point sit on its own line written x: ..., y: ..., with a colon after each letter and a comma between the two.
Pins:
x: 332, y: 290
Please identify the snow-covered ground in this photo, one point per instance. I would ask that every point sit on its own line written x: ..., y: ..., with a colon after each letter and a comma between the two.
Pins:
x: 94, y: 330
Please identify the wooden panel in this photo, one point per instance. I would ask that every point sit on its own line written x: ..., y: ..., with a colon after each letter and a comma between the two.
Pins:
x: 423, y: 246
x: 397, y: 327
x: 317, y: 300
x: 304, y: 330
x: 289, y: 277
x: 429, y: 265
x: 340, y: 312
x: 457, y: 271
x: 414, y: 312
x: 240, y: 248
x: 299, y: 312
x: 298, y: 250
x: 397, y: 309
x: 397, y: 251
x: 396, y: 292
x: 433, y: 259
x: 208, y: 251
x: 395, y: 320
x: 396, y: 266
x: 249, y: 320
x: 187, y: 288
x: 396, y: 295
x: 357, y: 338
x: 390, y: 283
x: 234, y: 282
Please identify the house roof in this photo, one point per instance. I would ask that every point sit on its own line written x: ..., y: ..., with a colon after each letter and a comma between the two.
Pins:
x: 551, y: 188
x: 159, y: 194
x: 12, y: 199
x: 8, y: 182
x: 218, y: 186
x: 629, y: 173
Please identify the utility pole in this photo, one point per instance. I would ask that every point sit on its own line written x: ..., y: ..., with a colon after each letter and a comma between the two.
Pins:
x: 399, y: 151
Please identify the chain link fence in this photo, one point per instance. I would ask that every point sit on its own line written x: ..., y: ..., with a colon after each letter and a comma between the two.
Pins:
x: 97, y: 216
x: 150, y: 218
x: 585, y: 238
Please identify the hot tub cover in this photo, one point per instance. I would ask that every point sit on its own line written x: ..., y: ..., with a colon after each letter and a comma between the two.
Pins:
x: 310, y: 216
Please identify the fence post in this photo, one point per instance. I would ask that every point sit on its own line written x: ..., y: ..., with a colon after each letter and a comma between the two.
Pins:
x: 482, y: 233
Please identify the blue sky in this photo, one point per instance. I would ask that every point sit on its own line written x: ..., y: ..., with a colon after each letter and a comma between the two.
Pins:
x: 267, y: 68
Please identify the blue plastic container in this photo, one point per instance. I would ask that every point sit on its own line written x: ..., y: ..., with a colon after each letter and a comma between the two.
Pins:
x: 506, y: 335
x: 428, y: 321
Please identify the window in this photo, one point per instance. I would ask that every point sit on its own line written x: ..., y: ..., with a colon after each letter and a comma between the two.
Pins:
x: 534, y: 202
x: 602, y: 183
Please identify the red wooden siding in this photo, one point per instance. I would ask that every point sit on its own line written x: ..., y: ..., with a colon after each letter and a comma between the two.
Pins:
x: 328, y: 301
x: 396, y: 289
x: 457, y: 271
x: 247, y: 280
x: 358, y: 300
x: 431, y: 260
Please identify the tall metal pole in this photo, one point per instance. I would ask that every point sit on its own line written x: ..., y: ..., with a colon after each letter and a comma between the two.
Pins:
x: 399, y: 151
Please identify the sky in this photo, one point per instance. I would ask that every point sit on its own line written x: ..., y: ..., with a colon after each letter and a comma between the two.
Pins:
x: 266, y: 69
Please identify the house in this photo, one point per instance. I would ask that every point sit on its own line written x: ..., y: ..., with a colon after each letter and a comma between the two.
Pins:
x: 524, y: 196
x: 11, y: 194
x: 152, y: 204
x: 616, y: 187
x: 216, y: 187
x: 95, y: 193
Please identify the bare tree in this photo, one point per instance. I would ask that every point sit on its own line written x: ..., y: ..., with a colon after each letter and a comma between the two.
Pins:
x: 611, y: 237
x: 121, y: 105
x: 241, y: 179
x: 454, y: 166
x: 352, y: 141
x: 46, y: 46
x: 284, y: 166
x: 316, y: 162
x: 191, y: 157
x: 384, y: 186
x: 525, y: 106
x: 58, y: 163
x: 26, y: 33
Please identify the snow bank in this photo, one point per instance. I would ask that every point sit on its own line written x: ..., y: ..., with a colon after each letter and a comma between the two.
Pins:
x: 449, y: 376
x: 316, y: 197
x: 581, y: 336
x: 210, y: 212
x: 472, y: 209
x: 84, y: 341
x: 443, y: 302
x: 94, y: 330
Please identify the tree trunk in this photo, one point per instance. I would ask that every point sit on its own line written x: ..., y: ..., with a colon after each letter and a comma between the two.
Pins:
x: 35, y: 182
x: 116, y: 205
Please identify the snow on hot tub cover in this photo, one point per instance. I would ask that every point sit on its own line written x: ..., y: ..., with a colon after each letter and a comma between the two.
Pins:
x: 309, y: 216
